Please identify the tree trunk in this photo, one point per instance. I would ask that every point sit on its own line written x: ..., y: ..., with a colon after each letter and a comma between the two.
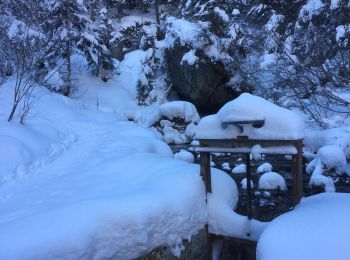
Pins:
x: 12, y: 112
x: 68, y: 89
x: 98, y: 65
x: 120, y: 11
x: 156, y: 7
x: 93, y: 10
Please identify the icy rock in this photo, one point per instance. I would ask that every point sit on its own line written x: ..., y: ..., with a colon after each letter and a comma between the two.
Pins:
x: 272, y: 181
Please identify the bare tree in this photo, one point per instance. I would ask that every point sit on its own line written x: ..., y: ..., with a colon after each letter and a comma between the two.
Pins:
x: 23, y: 53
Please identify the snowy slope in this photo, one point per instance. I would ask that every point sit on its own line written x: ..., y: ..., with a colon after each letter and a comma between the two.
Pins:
x: 79, y: 181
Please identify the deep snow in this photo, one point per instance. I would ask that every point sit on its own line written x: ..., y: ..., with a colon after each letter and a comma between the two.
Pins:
x: 79, y: 181
x: 317, y: 228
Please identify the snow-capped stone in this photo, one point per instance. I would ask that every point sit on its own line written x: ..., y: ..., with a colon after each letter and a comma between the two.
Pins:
x: 272, y: 181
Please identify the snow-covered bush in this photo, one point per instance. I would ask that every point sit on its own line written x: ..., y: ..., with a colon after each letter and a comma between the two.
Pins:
x: 176, y: 121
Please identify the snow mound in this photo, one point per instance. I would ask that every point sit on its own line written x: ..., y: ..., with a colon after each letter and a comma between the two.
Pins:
x: 180, y: 109
x: 327, y: 157
x: 222, y: 218
x: 185, y: 156
x: 250, y: 107
x: 226, y: 166
x: 265, y: 167
x: 241, y: 168
x: 272, y: 181
x: 326, y: 182
x: 318, y: 228
x: 331, y: 156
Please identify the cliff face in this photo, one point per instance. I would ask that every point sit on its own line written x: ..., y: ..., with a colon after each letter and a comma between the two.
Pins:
x: 203, y: 84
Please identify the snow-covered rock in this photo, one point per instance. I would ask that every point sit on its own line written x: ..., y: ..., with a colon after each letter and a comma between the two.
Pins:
x: 185, y: 156
x: 272, y: 181
x: 180, y: 109
x: 265, y: 167
x: 240, y: 168
x: 226, y: 166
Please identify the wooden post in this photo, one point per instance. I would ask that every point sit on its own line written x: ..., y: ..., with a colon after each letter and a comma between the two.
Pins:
x: 297, y: 173
x: 205, y: 170
x: 206, y: 176
x: 249, y: 187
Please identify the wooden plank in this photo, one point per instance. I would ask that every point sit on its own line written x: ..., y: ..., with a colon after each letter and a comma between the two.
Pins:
x: 205, y: 170
x: 235, y: 239
x: 282, y: 150
x: 244, y: 142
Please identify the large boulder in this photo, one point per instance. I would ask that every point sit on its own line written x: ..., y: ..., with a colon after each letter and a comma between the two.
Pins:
x: 202, y: 83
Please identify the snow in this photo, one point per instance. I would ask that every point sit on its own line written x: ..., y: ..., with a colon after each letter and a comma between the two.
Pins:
x: 222, y: 219
x: 222, y: 14
x: 265, y: 167
x: 190, y: 58
x: 316, y: 229
x: 235, y: 12
x: 272, y: 181
x: 341, y: 30
x: 186, y: 32
x: 331, y: 156
x: 326, y: 182
x: 274, y: 22
x: 226, y: 166
x: 311, y: 7
x: 184, y: 156
x: 241, y: 168
x: 340, y: 136
x: 244, y: 184
x: 180, y: 109
x: 78, y: 180
x: 327, y: 157
x: 250, y: 107
x: 211, y: 127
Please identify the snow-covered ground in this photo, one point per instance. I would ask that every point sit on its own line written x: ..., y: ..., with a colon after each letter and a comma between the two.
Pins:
x: 318, y: 228
x: 79, y: 181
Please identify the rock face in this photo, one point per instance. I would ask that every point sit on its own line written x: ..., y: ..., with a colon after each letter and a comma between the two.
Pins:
x: 203, y: 84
